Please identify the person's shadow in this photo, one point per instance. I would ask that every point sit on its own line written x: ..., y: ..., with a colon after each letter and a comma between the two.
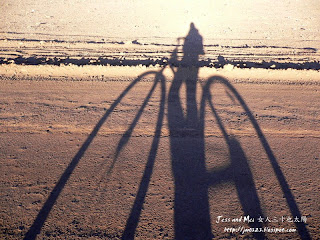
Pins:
x: 192, y: 180
x: 191, y: 206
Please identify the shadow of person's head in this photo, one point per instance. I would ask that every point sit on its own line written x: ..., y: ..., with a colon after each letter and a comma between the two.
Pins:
x: 193, y: 46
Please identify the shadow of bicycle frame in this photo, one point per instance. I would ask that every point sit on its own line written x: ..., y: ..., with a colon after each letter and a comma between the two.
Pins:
x: 192, y: 181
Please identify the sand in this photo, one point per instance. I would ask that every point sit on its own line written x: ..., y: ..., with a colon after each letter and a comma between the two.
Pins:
x: 59, y: 147
x: 100, y: 139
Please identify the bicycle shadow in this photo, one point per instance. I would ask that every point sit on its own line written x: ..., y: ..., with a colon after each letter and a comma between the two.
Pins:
x: 187, y: 143
x: 192, y: 218
x: 43, y: 214
x: 238, y: 171
x: 232, y: 143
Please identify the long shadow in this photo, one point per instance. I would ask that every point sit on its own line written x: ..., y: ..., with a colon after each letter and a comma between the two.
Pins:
x: 301, y: 227
x: 35, y: 228
x: 191, y: 203
x: 238, y: 171
x: 125, y: 137
x: 187, y: 143
x: 135, y: 213
x: 187, y: 146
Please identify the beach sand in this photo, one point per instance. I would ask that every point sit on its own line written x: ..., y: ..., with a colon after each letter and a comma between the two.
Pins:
x: 61, y: 157
x: 100, y: 139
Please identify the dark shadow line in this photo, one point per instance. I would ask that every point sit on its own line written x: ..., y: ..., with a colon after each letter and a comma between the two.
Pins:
x: 302, y: 230
x: 125, y: 137
x: 213, y: 177
x: 249, y: 198
x: 133, y: 220
x: 35, y: 228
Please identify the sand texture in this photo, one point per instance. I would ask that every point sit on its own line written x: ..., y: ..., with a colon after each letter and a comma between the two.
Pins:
x: 185, y: 120
x: 94, y: 159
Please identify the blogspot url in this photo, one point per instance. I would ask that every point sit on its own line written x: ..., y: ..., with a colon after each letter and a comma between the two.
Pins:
x: 244, y: 230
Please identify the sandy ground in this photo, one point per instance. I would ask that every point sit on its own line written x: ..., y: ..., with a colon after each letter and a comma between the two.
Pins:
x: 88, y: 152
x: 287, y: 19
x: 77, y: 164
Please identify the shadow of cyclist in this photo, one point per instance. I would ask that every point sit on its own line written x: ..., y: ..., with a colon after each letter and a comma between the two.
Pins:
x: 191, y: 178
x: 191, y: 215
